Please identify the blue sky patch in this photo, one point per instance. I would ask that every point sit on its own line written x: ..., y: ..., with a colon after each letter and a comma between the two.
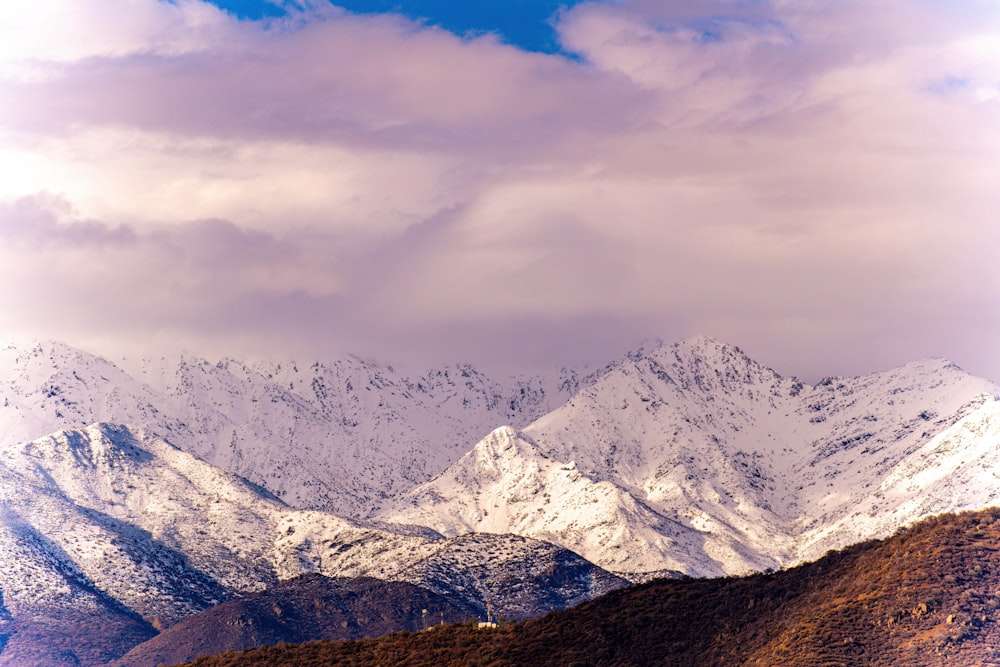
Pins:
x: 250, y: 9
x: 524, y: 23
x: 948, y: 85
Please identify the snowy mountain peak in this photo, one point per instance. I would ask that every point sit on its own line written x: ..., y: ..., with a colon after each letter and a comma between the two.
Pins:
x: 109, y: 524
x: 699, y: 364
x: 700, y: 345
x: 703, y: 354
x: 97, y: 446
x: 503, y: 445
x: 729, y: 465
x: 320, y: 435
x: 689, y: 456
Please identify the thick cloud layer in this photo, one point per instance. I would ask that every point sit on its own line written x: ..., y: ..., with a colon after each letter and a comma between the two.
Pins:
x: 815, y: 182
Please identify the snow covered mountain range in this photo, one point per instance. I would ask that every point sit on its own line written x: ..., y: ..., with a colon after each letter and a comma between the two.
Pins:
x: 337, y: 436
x: 695, y: 458
x: 123, y: 494
x: 114, y: 530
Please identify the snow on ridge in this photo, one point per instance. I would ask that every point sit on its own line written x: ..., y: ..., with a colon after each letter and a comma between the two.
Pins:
x: 715, y: 459
x: 112, y: 519
x: 740, y: 467
x: 343, y: 434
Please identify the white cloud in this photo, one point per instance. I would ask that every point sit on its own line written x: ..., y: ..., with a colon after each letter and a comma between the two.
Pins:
x: 760, y: 172
x: 37, y: 37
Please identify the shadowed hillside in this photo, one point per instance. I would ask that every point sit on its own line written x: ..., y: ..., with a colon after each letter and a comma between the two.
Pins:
x: 929, y: 595
x: 305, y: 608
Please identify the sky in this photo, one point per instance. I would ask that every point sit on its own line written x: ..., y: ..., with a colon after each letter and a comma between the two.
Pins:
x: 513, y: 183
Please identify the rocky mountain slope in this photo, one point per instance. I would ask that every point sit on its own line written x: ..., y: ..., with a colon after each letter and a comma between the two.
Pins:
x: 307, y: 608
x: 685, y: 458
x: 337, y: 436
x: 108, y: 533
x: 926, y: 597
x: 693, y: 457
x: 689, y: 458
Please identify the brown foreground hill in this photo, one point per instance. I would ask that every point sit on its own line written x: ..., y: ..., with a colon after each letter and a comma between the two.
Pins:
x: 929, y: 595
x: 309, y: 607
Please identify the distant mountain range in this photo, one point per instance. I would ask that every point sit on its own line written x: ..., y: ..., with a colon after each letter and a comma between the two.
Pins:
x: 335, y: 436
x: 126, y: 511
x: 695, y: 458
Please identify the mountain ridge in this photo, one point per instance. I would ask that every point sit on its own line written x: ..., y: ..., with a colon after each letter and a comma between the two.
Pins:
x: 111, y: 527
x: 345, y: 420
x: 924, y: 597
x: 307, y: 608
x: 682, y: 459
x: 741, y: 468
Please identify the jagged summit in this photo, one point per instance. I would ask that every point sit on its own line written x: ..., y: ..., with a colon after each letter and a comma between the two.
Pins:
x: 730, y: 465
x: 503, y: 444
x: 700, y: 363
x: 698, y: 346
x: 693, y: 443
x: 683, y: 458
x: 319, y: 435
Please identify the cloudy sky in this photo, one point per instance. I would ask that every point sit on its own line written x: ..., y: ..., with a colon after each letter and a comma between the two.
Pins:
x: 511, y: 182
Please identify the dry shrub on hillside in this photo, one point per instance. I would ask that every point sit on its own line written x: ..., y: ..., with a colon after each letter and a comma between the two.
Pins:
x: 928, y: 596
